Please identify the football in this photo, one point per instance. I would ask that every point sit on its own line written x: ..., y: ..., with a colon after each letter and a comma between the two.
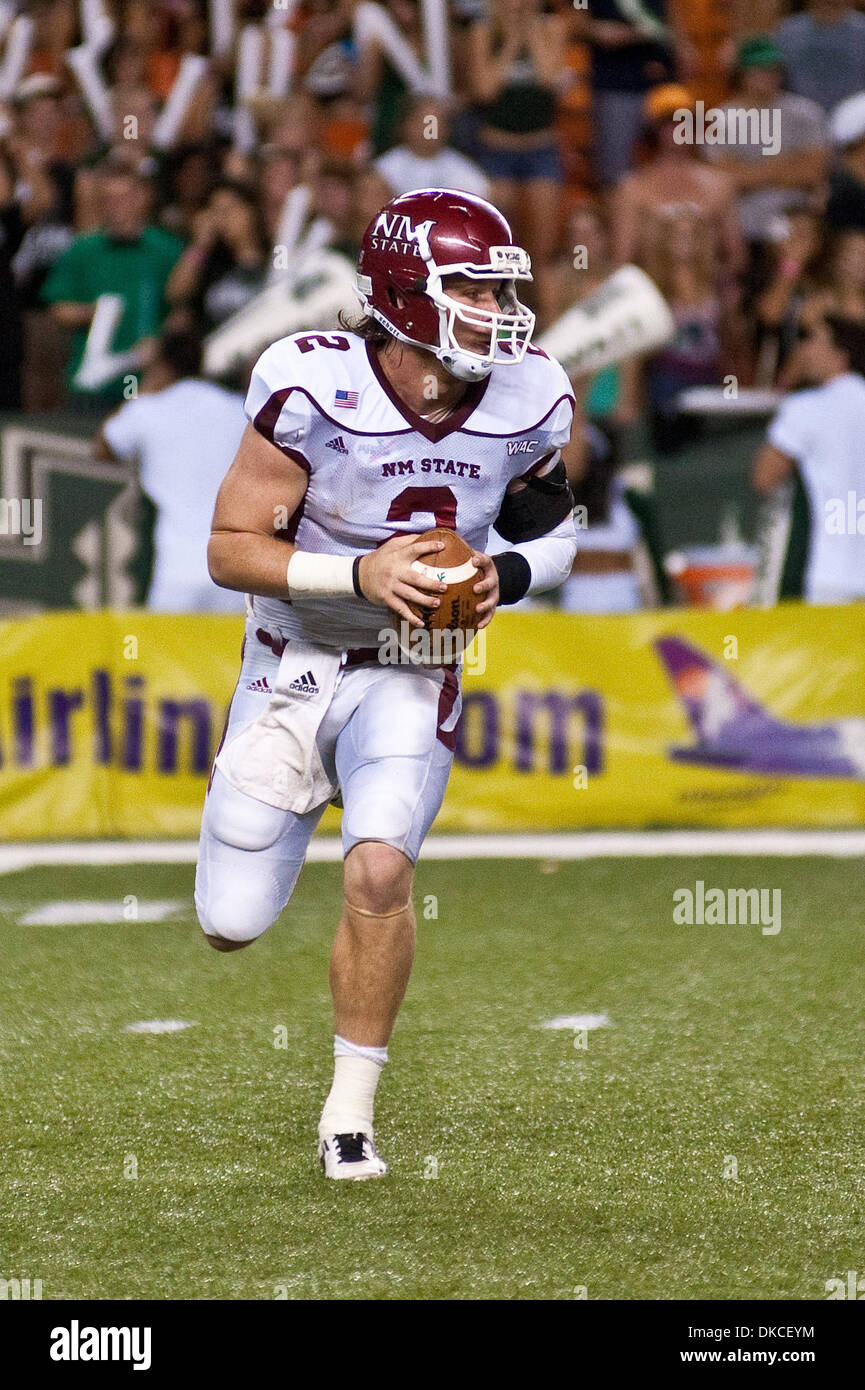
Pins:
x: 453, y: 566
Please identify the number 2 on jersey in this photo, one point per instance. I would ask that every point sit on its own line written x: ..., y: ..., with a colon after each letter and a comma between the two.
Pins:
x: 438, y: 500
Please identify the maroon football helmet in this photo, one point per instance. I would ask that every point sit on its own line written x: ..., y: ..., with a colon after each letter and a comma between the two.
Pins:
x: 414, y: 243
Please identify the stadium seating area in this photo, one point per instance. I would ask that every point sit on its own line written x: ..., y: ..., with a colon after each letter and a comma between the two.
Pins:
x: 249, y: 132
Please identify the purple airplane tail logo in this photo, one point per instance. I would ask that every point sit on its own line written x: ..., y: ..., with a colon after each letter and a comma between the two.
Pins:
x: 712, y: 699
x: 735, y: 732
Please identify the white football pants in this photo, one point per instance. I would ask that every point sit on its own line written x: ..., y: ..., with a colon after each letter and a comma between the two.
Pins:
x: 386, y: 738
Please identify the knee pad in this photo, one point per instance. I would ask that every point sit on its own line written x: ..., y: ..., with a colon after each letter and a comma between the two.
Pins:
x: 237, y: 910
x: 239, y: 894
x: 240, y: 820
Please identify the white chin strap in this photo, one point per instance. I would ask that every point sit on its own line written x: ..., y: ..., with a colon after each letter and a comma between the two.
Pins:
x: 466, y: 366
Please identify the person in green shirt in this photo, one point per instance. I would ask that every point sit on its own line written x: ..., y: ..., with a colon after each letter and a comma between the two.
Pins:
x: 108, y: 287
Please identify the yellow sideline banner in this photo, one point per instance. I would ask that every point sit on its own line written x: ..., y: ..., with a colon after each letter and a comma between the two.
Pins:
x: 109, y: 721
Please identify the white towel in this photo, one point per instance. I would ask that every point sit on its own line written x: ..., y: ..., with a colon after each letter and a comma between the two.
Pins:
x: 276, y: 759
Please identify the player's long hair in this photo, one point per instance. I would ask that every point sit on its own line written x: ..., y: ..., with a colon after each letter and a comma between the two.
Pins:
x: 366, y: 327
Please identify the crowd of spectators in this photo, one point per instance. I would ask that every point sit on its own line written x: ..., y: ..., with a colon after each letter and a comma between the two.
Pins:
x: 751, y: 240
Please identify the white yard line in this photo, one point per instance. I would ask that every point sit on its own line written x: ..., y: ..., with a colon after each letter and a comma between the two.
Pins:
x: 159, y: 1025
x: 577, y: 1023
x: 83, y: 913
x: 591, y: 844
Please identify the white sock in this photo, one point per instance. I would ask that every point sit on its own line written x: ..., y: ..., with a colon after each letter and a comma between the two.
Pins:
x: 356, y: 1072
x: 343, y: 1048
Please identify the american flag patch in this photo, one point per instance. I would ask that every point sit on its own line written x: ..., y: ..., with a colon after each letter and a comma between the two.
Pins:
x: 347, y: 399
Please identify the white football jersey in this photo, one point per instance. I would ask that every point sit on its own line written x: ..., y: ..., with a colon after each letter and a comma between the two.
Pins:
x: 376, y: 469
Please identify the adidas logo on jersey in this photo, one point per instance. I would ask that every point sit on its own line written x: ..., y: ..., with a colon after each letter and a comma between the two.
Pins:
x: 260, y: 686
x: 338, y: 445
x: 304, y: 685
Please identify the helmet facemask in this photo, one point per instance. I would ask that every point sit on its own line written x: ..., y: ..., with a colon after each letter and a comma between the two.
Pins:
x: 510, y: 330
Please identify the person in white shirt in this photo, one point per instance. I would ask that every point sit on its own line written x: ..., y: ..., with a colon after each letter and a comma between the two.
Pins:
x: 603, y: 578
x: 182, y: 432
x: 818, y: 433
x: 424, y: 159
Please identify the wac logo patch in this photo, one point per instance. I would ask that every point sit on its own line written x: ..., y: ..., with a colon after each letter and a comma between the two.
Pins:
x: 522, y: 446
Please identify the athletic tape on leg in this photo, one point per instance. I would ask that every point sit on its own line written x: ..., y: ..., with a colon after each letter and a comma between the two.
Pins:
x: 364, y: 912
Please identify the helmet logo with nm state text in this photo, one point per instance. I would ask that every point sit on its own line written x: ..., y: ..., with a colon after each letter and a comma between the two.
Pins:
x: 396, y: 232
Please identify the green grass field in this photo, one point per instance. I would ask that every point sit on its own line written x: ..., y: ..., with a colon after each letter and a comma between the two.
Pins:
x: 558, y: 1167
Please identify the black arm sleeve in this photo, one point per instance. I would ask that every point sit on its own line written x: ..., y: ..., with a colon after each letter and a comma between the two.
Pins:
x: 537, y: 508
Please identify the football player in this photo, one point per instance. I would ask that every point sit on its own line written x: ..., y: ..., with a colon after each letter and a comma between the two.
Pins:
x: 435, y: 410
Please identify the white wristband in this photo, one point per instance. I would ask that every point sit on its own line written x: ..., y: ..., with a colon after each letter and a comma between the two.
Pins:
x: 320, y: 576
